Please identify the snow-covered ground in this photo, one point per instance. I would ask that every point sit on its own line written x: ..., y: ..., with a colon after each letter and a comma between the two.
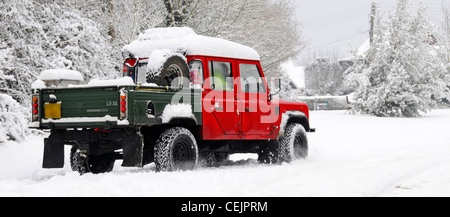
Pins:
x: 349, y: 156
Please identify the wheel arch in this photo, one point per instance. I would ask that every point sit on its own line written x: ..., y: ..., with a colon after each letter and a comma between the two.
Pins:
x: 296, y: 117
x: 183, y: 121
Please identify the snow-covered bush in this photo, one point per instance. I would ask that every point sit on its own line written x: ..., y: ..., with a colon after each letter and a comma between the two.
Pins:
x: 401, y: 74
x: 13, y: 119
x: 324, y: 77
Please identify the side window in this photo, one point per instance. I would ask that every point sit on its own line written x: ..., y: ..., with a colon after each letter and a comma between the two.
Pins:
x: 221, y: 76
x: 196, y: 73
x: 251, y: 80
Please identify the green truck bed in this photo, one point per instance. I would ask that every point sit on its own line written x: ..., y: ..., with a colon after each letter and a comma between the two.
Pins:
x: 99, y: 107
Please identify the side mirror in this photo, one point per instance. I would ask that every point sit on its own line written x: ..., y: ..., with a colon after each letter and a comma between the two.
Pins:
x: 276, y: 86
x: 247, y: 88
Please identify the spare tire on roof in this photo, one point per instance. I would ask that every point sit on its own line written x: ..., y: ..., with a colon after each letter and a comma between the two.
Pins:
x: 173, y: 73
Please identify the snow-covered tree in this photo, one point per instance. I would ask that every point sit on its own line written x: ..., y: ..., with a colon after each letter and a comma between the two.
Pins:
x: 445, y: 41
x: 401, y: 73
x: 124, y: 20
x: 45, y: 34
x: 13, y: 119
x: 131, y: 17
x: 446, y: 22
x: 324, y: 77
x: 180, y: 11
x: 267, y: 26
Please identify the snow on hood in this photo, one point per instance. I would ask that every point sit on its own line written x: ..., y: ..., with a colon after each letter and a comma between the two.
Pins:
x: 60, y: 74
x: 185, y: 40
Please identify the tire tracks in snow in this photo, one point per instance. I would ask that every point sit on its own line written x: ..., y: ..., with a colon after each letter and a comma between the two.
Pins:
x: 397, y: 181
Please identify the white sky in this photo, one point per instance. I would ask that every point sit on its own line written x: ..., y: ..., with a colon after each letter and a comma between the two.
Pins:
x: 331, y: 27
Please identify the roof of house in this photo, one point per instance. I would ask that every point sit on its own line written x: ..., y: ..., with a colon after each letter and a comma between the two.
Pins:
x: 364, y: 47
x: 295, y: 73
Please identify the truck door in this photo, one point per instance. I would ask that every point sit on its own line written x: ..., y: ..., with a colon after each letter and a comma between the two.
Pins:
x: 253, y: 97
x: 219, y: 99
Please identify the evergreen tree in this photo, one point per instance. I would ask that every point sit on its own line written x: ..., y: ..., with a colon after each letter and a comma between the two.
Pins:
x: 401, y: 73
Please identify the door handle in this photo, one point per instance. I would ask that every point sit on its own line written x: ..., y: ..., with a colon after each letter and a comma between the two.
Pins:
x: 248, y: 110
x: 217, y: 107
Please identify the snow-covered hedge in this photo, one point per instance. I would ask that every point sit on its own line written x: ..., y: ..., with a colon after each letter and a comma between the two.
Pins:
x: 13, y: 119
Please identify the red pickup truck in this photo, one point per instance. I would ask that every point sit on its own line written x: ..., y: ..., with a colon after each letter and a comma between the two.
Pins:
x: 193, y: 98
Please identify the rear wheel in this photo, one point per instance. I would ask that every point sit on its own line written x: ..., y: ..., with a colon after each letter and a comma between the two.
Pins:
x: 176, y: 150
x: 293, y: 144
x: 96, y: 164
x: 215, y: 159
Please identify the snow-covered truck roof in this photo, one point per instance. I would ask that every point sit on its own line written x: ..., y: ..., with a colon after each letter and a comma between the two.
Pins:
x: 185, y: 40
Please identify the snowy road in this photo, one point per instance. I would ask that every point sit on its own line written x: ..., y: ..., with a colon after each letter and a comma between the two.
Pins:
x: 349, y: 156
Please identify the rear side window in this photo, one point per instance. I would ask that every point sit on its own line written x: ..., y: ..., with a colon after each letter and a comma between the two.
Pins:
x: 251, y: 80
x: 196, y: 73
x: 221, y: 76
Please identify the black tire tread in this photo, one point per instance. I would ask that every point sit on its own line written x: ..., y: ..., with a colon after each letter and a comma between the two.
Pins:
x: 285, y: 143
x: 163, y: 147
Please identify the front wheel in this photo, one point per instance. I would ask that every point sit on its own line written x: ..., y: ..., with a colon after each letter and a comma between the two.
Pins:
x: 293, y: 144
x: 176, y: 150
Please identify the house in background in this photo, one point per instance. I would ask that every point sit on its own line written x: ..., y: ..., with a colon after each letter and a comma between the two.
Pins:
x: 348, y: 62
x: 295, y: 75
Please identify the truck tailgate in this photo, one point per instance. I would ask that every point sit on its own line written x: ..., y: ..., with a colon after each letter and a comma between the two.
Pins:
x: 82, y: 107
